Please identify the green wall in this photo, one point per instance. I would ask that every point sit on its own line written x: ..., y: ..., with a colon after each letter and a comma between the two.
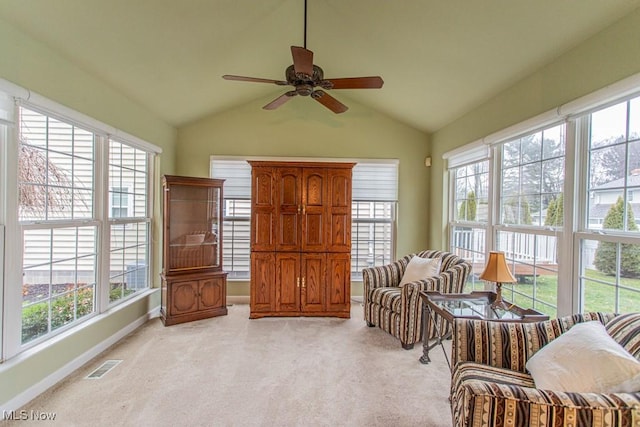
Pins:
x: 33, y: 66
x: 304, y: 128
x: 609, y: 56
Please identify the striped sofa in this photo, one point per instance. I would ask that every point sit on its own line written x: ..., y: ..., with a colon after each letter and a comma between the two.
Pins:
x: 491, y: 387
x: 399, y: 310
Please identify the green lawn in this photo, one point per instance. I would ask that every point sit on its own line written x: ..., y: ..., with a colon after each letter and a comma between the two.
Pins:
x: 599, y: 293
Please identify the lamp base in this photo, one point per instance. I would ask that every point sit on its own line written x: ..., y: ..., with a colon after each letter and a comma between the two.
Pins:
x: 499, y: 303
x: 502, y: 305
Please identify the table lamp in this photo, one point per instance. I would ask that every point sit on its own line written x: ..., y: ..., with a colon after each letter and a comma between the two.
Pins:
x: 497, y: 271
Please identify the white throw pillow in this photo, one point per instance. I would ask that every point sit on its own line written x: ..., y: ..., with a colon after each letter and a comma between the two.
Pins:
x: 585, y: 359
x: 420, y: 268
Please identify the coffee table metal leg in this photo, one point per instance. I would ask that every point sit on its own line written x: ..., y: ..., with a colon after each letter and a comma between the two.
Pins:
x: 426, y: 321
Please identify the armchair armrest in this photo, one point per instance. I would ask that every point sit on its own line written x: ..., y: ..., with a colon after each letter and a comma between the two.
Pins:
x: 448, y: 281
x: 477, y: 400
x: 385, y: 275
x: 510, y: 344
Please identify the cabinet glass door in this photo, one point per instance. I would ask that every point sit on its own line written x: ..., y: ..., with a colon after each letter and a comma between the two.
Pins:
x: 194, y: 225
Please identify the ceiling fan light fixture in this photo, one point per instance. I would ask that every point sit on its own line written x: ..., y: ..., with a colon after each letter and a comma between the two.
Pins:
x: 304, y: 89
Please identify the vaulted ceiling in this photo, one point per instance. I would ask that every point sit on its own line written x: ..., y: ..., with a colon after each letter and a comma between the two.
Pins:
x: 439, y: 59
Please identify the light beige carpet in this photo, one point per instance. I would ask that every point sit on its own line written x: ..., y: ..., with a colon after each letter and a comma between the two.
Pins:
x: 232, y: 371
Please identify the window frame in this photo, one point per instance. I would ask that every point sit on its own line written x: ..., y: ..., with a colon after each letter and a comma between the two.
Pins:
x: 11, y: 325
x: 454, y: 223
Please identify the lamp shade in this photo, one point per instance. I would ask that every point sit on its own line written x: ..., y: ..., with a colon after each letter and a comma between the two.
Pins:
x: 497, y: 270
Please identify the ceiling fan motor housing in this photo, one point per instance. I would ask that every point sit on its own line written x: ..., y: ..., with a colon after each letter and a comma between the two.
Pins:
x: 304, y: 83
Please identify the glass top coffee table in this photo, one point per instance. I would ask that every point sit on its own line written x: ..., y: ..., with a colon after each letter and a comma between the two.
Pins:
x: 438, y: 308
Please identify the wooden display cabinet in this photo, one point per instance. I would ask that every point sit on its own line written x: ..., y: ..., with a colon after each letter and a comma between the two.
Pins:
x: 193, y: 284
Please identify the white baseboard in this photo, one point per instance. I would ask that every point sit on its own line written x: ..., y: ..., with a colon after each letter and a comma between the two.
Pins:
x: 238, y: 299
x: 34, y: 391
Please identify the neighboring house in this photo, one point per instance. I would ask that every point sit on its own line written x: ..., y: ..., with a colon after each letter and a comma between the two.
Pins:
x: 604, y: 196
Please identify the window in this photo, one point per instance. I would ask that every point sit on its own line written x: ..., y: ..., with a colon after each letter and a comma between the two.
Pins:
x: 66, y: 277
x: 575, y: 253
x: 470, y: 215
x: 531, y: 213
x: 374, y: 207
x: 610, y: 242
x: 55, y: 173
x: 373, y: 211
x: 236, y: 230
x: 128, y: 220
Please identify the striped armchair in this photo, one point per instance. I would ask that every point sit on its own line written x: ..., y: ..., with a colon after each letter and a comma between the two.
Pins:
x: 490, y: 385
x: 399, y: 310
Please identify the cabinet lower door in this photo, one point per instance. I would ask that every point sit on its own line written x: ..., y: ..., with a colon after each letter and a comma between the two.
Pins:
x: 312, y: 295
x: 212, y: 293
x: 339, y: 282
x: 288, y: 282
x: 263, y: 289
x: 183, y: 298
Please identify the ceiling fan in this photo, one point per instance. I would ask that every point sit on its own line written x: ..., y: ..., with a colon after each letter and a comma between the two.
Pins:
x: 308, y: 79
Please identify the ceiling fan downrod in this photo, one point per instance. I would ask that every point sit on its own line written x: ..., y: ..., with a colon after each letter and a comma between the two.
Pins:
x: 305, y: 24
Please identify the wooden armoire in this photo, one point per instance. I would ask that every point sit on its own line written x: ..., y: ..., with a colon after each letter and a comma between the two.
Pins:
x: 300, y: 239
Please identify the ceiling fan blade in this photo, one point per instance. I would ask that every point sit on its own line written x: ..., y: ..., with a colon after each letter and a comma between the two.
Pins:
x: 329, y: 101
x: 373, y: 82
x: 254, y: 79
x: 280, y: 100
x: 302, y: 60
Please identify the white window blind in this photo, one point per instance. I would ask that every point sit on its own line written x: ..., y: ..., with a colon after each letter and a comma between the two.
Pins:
x: 237, y: 176
x: 375, y: 181
x: 467, y: 154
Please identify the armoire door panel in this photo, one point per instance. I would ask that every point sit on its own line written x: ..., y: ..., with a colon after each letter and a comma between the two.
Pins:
x: 340, y: 193
x: 314, y: 282
x: 313, y: 234
x: 339, y: 233
x: 263, y: 275
x: 263, y: 189
x: 314, y: 196
x: 339, y: 211
x: 289, y: 190
x: 287, y: 282
x: 262, y: 227
x: 289, y: 235
x: 314, y: 187
x: 338, y: 282
x: 289, y: 207
x: 263, y: 209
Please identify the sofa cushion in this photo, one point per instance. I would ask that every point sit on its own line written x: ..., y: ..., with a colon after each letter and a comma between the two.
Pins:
x: 585, y: 359
x: 472, y: 371
x: 420, y: 268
